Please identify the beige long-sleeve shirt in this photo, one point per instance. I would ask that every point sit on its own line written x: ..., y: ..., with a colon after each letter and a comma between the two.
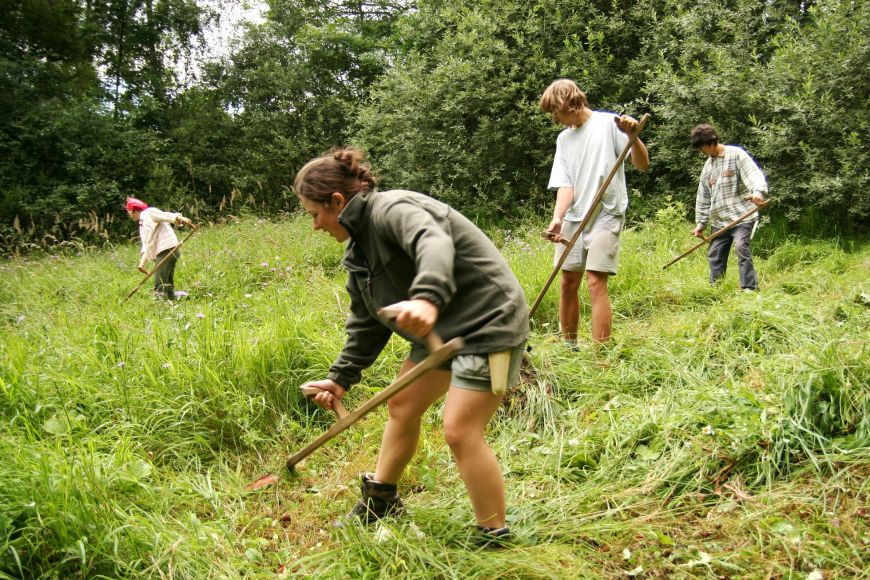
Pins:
x: 156, y: 233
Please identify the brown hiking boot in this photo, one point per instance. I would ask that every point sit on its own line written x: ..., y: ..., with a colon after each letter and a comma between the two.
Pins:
x: 494, y: 537
x: 379, y: 500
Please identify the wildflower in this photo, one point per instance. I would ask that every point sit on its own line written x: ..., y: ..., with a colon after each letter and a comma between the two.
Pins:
x: 708, y: 430
x: 20, y: 318
x: 264, y: 264
x: 166, y: 365
x: 200, y: 315
x: 383, y: 534
x: 416, y: 531
x: 122, y: 364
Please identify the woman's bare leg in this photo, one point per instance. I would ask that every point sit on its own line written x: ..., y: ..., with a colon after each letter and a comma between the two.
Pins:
x: 466, y: 415
x: 402, y: 432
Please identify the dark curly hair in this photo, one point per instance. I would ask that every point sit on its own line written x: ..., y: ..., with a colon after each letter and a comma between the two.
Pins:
x: 704, y: 135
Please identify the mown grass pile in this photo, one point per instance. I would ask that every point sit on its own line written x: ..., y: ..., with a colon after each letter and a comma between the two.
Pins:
x: 721, y: 433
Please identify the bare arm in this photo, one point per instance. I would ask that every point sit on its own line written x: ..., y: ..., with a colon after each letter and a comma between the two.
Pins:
x: 564, y: 199
x: 639, y: 156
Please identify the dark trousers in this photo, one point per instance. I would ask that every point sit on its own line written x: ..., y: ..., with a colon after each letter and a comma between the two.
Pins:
x: 717, y: 255
x: 164, y: 277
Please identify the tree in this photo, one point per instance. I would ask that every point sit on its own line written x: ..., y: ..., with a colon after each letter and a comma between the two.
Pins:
x: 66, y: 157
x: 814, y: 136
x: 296, y: 83
x: 457, y: 115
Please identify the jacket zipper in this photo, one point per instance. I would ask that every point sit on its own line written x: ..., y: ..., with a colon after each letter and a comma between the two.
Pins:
x: 369, y: 274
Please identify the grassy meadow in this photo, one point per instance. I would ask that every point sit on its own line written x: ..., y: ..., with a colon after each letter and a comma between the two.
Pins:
x: 721, y: 434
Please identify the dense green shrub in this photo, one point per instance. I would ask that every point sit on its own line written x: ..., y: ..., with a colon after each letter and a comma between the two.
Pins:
x: 457, y: 116
x: 814, y: 134
x: 443, y: 96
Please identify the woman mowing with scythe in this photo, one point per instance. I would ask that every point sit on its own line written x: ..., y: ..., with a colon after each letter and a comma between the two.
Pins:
x: 441, y: 273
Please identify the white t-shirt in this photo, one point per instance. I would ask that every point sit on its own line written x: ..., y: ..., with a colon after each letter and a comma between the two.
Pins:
x: 584, y: 157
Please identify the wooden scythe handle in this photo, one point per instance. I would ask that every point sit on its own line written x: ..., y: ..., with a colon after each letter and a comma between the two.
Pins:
x: 439, y: 351
x: 433, y: 341
x: 338, y: 407
x: 718, y: 233
x: 444, y: 352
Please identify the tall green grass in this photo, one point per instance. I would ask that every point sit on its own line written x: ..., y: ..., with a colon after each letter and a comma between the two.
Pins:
x: 721, y: 433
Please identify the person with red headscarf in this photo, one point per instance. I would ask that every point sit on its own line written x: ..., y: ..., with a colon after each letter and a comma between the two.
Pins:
x: 158, y: 241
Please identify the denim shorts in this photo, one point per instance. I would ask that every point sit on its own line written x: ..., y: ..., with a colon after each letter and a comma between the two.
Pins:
x: 471, y: 371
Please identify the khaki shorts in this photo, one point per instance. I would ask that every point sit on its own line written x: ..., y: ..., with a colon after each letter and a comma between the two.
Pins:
x: 471, y: 371
x: 597, y: 248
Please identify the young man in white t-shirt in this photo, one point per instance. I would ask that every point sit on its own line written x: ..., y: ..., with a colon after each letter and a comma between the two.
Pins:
x: 585, y: 154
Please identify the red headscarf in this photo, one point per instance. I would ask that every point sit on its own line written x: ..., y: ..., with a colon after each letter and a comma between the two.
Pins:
x: 134, y: 204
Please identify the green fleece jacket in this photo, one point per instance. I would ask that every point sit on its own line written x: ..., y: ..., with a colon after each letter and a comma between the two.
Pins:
x: 405, y: 245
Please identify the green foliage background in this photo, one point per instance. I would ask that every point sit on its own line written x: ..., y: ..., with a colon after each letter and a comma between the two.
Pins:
x: 442, y: 94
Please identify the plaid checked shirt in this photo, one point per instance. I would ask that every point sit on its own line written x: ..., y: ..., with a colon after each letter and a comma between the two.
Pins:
x: 725, y: 180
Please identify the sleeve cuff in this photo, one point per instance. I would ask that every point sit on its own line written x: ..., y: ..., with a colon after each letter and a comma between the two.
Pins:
x: 430, y: 297
x: 340, y: 379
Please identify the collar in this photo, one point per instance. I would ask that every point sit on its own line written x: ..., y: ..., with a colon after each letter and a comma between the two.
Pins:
x: 355, y: 215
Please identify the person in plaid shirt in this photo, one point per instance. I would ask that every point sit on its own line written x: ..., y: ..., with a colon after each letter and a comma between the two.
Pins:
x: 731, y: 182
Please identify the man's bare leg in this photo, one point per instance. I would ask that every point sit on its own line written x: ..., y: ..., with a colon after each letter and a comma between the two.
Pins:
x: 569, y: 304
x: 602, y: 313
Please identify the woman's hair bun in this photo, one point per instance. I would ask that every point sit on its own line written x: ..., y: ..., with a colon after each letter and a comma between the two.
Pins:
x: 351, y: 160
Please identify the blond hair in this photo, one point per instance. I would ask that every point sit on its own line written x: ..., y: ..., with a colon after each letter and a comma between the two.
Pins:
x: 563, y: 96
